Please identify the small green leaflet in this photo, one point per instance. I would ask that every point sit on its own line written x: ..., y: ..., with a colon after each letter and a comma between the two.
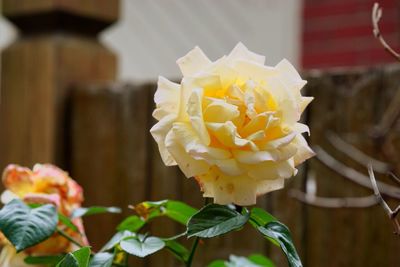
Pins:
x: 142, y: 246
x: 255, y: 260
x: 102, y: 259
x: 214, y: 220
x: 281, y: 234
x: 25, y: 227
x: 177, y: 249
x: 46, y: 260
x: 80, y: 212
x: 116, y: 239
x: 79, y: 258
x: 132, y: 223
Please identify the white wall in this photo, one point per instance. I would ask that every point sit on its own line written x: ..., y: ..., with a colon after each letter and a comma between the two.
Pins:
x: 152, y: 34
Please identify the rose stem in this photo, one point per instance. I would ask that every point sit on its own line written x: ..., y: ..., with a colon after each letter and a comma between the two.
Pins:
x: 195, y: 242
x: 68, y: 237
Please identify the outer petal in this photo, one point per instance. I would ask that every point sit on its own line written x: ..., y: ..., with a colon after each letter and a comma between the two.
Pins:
x: 193, y: 62
x: 166, y: 98
x: 17, y: 179
x: 159, y: 132
x: 189, y: 166
x: 272, y: 170
x: 240, y: 52
x: 304, y: 152
x: 290, y: 75
x: 195, y: 112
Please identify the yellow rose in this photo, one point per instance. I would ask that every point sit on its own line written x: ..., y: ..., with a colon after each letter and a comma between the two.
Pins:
x: 44, y: 184
x: 232, y: 124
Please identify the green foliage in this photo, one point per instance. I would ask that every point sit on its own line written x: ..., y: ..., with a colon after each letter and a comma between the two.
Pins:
x: 102, y: 259
x: 175, y: 210
x: 79, y: 258
x: 132, y: 223
x: 67, y: 222
x: 255, y: 260
x: 177, y: 249
x: 80, y: 212
x: 24, y: 226
x: 44, y: 260
x: 141, y: 246
x: 214, y: 220
x: 281, y: 234
x: 116, y: 239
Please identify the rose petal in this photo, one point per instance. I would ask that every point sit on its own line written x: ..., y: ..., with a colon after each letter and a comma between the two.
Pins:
x: 166, y: 98
x: 193, y: 62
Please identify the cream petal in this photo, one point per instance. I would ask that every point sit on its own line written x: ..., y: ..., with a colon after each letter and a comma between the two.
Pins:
x: 229, y: 167
x: 159, y: 132
x: 267, y: 186
x: 252, y: 71
x: 256, y: 157
x: 188, y: 139
x: 270, y: 170
x: 195, y: 112
x: 226, y: 134
x: 290, y: 75
x: 279, y: 142
x: 304, y: 152
x: 301, y: 128
x: 304, y: 102
x: 166, y: 98
x: 188, y: 165
x: 240, y: 52
x: 193, y: 62
x: 220, y: 111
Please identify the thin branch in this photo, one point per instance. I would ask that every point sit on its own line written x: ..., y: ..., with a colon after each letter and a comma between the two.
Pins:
x: 376, y: 16
x: 334, y: 203
x: 356, y: 154
x: 393, y: 176
x: 353, y: 175
x: 389, y: 118
x: 392, y: 214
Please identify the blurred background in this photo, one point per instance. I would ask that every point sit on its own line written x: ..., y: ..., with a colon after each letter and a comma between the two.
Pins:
x: 77, y: 83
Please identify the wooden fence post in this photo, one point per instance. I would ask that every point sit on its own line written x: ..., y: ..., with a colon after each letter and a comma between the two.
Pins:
x: 57, y: 47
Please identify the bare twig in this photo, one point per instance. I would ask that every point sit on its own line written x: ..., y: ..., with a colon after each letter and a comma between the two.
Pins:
x: 392, y: 214
x: 356, y: 154
x: 334, y: 203
x: 353, y: 175
x: 393, y: 176
x: 389, y: 118
x: 376, y: 16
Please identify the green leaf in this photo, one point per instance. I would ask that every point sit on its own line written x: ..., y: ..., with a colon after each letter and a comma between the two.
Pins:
x: 43, y: 260
x: 217, y: 263
x: 179, y: 211
x: 260, y: 217
x: 175, y: 210
x: 142, y: 246
x: 281, y: 234
x: 214, y: 220
x: 132, y: 223
x: 103, y: 259
x: 80, y: 212
x: 25, y: 227
x: 261, y: 260
x: 116, y: 239
x: 67, y: 222
x: 236, y: 261
x: 79, y: 258
x: 177, y: 249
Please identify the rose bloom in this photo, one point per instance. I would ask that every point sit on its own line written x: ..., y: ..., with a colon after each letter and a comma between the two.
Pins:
x: 232, y: 124
x: 45, y: 184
